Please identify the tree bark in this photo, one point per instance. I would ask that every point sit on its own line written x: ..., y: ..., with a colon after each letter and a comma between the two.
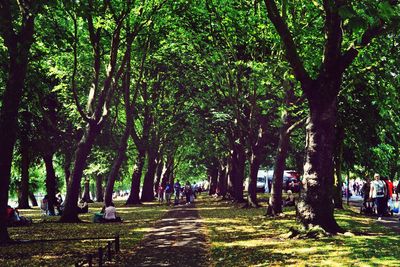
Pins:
x: 315, y: 206
x: 67, y: 166
x: 86, y: 191
x: 338, y: 199
x: 252, y: 189
x: 222, y: 179
x: 275, y: 201
x: 70, y: 213
x: 18, y: 45
x: 134, y: 196
x: 33, y: 199
x: 148, y: 183
x: 50, y: 182
x: 23, y: 200
x: 213, y: 178
x: 99, y: 188
x: 238, y: 168
x: 117, y: 164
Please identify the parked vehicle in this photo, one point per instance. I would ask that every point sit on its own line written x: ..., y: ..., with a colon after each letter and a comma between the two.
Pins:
x: 291, y: 181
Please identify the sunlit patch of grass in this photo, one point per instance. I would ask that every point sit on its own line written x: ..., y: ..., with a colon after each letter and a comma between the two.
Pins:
x: 137, y: 220
x: 245, y: 237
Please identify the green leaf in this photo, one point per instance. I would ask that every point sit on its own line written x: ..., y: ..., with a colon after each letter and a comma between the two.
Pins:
x: 346, y: 12
x: 386, y: 11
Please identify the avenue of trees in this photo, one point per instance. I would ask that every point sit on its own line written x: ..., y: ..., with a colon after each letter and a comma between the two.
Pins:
x: 139, y: 93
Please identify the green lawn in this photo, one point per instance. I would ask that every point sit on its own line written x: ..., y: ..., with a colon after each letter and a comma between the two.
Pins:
x: 137, y: 221
x: 244, y: 237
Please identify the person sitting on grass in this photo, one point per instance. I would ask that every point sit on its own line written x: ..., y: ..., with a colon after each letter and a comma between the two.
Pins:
x: 14, y: 219
x: 289, y: 201
x: 110, y: 214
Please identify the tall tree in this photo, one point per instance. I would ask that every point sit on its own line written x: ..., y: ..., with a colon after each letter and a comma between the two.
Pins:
x: 17, y: 29
x: 315, y: 207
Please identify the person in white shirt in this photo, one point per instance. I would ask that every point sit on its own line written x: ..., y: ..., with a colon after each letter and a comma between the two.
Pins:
x: 110, y: 214
x: 378, y: 193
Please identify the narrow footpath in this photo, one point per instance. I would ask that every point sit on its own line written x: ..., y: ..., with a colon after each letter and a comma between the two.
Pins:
x: 388, y: 221
x: 177, y: 239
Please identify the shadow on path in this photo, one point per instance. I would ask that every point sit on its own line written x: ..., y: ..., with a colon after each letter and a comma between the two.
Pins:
x: 176, y: 240
x: 388, y: 221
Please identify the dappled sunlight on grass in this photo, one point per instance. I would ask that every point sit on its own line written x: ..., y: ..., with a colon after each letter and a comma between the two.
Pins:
x: 137, y: 220
x: 244, y: 237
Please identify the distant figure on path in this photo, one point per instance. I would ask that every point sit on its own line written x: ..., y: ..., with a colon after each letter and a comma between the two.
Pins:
x: 188, y: 192
x: 160, y: 194
x: 177, y: 188
x: 168, y: 193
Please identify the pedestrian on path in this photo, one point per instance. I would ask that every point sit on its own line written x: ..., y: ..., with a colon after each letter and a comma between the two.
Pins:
x: 168, y: 193
x: 378, y: 193
x: 177, y: 188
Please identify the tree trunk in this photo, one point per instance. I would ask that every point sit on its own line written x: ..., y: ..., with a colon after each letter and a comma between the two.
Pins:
x: 338, y: 199
x: 33, y: 199
x: 238, y: 169
x: 23, y: 200
x: 275, y: 201
x: 136, y: 177
x: 158, y: 174
x: 148, y: 183
x: 50, y: 182
x: 117, y: 164
x: 223, y: 179
x: 86, y: 191
x: 252, y: 189
x: 213, y: 179
x: 67, y: 167
x: 315, y: 206
x: 70, y: 213
x: 18, y: 45
x: 99, y: 188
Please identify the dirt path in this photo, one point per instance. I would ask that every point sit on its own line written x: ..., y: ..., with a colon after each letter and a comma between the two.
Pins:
x: 177, y: 239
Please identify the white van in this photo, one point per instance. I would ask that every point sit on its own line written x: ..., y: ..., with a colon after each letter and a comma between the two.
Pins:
x: 262, y: 180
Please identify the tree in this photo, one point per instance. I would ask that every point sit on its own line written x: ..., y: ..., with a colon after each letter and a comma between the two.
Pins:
x: 18, y: 40
x: 315, y: 206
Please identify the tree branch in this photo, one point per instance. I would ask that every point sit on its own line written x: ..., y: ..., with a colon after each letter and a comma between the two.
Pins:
x: 290, y: 47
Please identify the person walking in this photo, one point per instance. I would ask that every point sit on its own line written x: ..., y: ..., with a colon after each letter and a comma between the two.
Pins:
x: 188, y: 192
x: 168, y: 193
x: 378, y: 192
x: 177, y: 188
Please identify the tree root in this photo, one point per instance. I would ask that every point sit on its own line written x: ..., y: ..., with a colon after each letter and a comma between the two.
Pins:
x: 313, y: 232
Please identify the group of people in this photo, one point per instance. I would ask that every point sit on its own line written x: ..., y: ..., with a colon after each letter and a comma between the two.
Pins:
x: 178, y: 191
x: 58, y: 205
x: 380, y: 192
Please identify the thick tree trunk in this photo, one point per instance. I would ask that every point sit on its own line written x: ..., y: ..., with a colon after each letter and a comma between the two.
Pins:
x: 148, y: 183
x: 252, y: 189
x: 70, y: 213
x: 18, y: 44
x: 134, y: 196
x: 238, y: 170
x: 223, y: 179
x: 117, y: 164
x: 213, y: 179
x: 33, y: 199
x: 86, y: 191
x: 99, y: 188
x: 50, y: 182
x: 23, y: 200
x: 315, y: 206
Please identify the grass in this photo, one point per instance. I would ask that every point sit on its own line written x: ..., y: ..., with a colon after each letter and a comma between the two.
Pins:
x: 245, y: 237
x: 136, y: 222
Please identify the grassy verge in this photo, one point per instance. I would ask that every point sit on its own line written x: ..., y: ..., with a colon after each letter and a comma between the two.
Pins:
x: 244, y: 237
x: 136, y: 221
